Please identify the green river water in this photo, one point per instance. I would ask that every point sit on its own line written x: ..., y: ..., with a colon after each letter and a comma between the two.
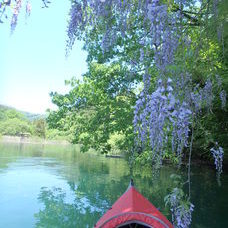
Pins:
x: 57, y: 186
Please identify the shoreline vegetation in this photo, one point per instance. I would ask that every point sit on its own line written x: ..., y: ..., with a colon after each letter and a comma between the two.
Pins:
x: 36, y: 140
x: 31, y: 140
x: 16, y: 127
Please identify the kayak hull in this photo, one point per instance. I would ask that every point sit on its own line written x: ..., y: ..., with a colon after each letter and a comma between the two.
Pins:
x: 132, y: 207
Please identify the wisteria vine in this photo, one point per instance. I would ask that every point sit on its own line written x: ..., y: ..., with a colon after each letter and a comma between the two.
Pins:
x: 218, y: 153
x: 15, y: 6
x: 181, y: 208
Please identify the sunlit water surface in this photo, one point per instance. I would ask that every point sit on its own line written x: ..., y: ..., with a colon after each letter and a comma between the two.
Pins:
x: 57, y: 186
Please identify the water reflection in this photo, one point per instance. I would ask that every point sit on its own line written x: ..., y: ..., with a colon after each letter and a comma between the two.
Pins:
x: 90, y: 196
x: 58, y: 212
x: 81, y: 187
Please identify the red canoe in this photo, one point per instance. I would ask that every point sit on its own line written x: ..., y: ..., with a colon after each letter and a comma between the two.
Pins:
x: 133, y: 210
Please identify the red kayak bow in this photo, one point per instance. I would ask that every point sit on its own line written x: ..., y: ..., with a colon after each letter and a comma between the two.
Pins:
x: 130, y: 209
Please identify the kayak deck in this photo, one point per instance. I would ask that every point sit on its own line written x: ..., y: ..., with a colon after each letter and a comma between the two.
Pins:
x: 133, y: 210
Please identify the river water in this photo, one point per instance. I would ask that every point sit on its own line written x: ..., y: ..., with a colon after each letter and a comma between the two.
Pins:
x: 57, y: 186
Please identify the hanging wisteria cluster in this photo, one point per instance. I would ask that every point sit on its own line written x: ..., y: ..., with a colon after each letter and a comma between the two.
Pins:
x: 223, y: 99
x: 173, y: 117
x: 181, y: 208
x: 15, y: 6
x: 155, y: 112
x: 164, y: 34
x: 217, y: 153
x: 16, y: 11
x: 202, y: 97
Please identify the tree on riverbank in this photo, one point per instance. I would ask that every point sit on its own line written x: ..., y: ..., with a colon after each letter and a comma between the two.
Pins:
x: 97, y: 109
x: 17, y: 123
x: 13, y: 122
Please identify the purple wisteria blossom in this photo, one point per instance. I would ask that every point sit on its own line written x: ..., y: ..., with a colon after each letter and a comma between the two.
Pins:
x: 183, y: 215
x: 202, y: 97
x: 28, y: 8
x: 223, y: 99
x: 222, y: 93
x: 181, y: 119
x: 155, y: 112
x: 16, y: 10
x: 207, y: 94
x: 196, y: 99
x: 180, y: 208
x: 151, y: 113
x: 164, y: 36
x: 218, y: 80
x: 218, y: 153
x: 15, y: 7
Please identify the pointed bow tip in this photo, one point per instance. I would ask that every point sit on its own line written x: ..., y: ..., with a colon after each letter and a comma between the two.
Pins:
x: 131, y: 183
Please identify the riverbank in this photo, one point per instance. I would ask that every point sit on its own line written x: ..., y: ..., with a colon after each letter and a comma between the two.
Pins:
x: 197, y: 161
x: 31, y: 140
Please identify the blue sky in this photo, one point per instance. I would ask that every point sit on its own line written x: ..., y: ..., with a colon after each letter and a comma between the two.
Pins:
x: 32, y: 60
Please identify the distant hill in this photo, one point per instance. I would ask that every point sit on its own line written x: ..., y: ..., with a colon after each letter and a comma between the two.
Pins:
x: 32, y: 116
x: 28, y: 115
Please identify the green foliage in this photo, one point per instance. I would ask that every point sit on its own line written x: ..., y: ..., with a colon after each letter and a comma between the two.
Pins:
x: 15, y: 127
x: 40, y: 128
x: 15, y: 123
x: 97, y: 108
x: 55, y: 134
